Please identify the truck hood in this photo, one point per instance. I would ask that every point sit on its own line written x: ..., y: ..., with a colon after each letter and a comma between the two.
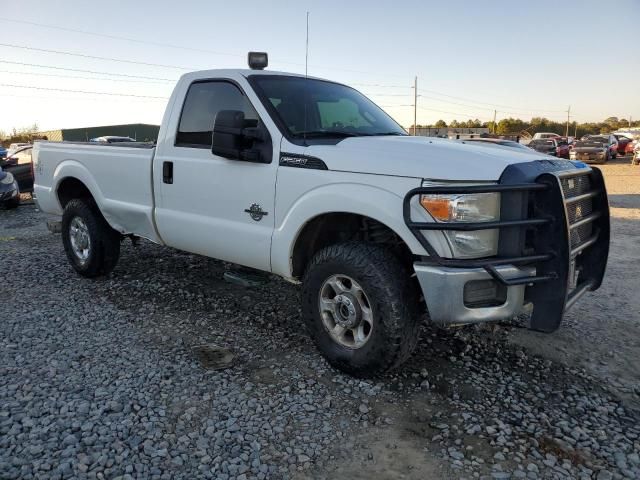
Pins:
x: 421, y: 157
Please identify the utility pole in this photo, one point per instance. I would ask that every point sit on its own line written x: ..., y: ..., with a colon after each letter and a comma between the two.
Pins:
x: 495, y: 112
x: 568, y: 115
x: 629, y: 121
x: 415, y: 105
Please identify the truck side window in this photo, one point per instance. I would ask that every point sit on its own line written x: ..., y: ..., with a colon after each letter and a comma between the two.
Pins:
x: 203, y: 102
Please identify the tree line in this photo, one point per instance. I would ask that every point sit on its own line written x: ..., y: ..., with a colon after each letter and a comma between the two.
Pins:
x: 516, y: 126
x: 20, y: 135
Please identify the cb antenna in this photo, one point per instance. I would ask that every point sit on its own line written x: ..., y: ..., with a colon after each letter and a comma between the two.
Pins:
x: 306, y: 74
x: 306, y: 52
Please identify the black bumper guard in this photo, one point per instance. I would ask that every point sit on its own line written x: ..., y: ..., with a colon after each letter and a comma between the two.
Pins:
x: 543, y: 225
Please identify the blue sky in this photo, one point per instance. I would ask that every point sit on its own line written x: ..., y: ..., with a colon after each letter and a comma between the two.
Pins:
x: 470, y: 57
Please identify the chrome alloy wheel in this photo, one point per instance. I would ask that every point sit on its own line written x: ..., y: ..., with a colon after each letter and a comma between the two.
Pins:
x: 345, y: 311
x: 80, y: 240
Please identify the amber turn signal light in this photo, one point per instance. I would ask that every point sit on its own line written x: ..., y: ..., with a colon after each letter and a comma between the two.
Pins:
x: 438, y: 207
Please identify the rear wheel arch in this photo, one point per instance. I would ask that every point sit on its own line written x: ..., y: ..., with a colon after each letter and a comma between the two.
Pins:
x: 71, y: 188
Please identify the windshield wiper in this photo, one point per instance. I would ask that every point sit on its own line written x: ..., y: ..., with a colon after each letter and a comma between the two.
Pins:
x: 325, y: 133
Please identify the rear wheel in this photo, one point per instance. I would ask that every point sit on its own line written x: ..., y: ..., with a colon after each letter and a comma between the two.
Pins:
x: 361, y: 308
x: 91, y: 245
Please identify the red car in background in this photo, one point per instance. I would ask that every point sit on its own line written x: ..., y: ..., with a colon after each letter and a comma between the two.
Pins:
x: 563, y: 147
x: 622, y: 144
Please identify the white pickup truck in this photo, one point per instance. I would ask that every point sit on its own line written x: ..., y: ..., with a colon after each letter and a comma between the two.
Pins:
x: 310, y: 180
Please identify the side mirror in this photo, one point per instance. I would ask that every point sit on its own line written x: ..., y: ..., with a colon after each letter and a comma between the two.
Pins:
x: 233, y: 137
x: 10, y: 161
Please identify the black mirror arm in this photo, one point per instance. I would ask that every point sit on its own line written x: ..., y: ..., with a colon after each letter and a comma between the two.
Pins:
x: 227, y: 130
x: 253, y: 133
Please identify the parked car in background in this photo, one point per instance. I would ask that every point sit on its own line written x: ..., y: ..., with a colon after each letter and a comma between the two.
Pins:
x: 544, y: 135
x: 20, y: 165
x: 635, y: 160
x: 500, y: 142
x: 595, y: 148
x: 548, y: 146
x: 15, y: 146
x: 623, y: 141
x: 562, y: 147
x: 112, y: 139
x: 9, y: 190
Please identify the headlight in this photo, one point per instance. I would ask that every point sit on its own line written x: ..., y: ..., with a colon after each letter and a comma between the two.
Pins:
x: 475, y: 207
x: 8, y: 179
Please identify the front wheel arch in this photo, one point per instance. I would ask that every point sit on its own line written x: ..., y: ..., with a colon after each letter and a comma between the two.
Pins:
x: 338, y: 227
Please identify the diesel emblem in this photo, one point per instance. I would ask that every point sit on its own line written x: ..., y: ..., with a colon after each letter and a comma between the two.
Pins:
x: 255, y: 212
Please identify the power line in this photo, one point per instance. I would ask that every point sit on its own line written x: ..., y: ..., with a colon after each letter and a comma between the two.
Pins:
x: 529, y: 110
x: 450, y: 113
x: 482, y: 108
x: 83, y: 99
x: 379, y: 85
x: 456, y: 103
x: 88, y: 71
x: 134, y: 62
x: 116, y: 37
x: 170, y: 45
x: 81, y: 91
x: 432, y: 110
x: 157, y: 82
x: 97, y: 57
x: 490, y: 104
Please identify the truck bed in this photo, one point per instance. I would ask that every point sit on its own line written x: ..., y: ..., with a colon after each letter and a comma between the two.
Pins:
x: 118, y: 175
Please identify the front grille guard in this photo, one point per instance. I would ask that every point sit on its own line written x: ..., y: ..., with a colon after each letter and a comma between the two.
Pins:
x: 552, y: 250
x: 490, y: 263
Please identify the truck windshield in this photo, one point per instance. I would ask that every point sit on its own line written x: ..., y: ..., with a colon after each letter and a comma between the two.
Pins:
x: 315, y: 108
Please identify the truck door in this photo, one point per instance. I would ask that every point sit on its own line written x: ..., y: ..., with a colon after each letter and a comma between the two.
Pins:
x: 208, y: 204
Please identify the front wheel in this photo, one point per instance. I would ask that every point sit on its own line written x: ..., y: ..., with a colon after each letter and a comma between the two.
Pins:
x: 361, y: 308
x: 91, y: 245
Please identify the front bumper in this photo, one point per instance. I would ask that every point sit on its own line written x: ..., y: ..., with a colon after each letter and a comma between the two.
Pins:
x: 444, y: 287
x: 553, y: 246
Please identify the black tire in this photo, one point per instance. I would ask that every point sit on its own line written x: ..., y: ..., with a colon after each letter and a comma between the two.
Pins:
x: 13, y: 203
x: 392, y: 297
x: 104, y: 249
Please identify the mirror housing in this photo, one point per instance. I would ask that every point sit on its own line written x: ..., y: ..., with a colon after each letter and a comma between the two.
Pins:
x: 9, y: 161
x: 233, y: 137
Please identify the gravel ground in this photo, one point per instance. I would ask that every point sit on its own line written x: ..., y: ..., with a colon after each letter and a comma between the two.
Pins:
x: 117, y: 378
